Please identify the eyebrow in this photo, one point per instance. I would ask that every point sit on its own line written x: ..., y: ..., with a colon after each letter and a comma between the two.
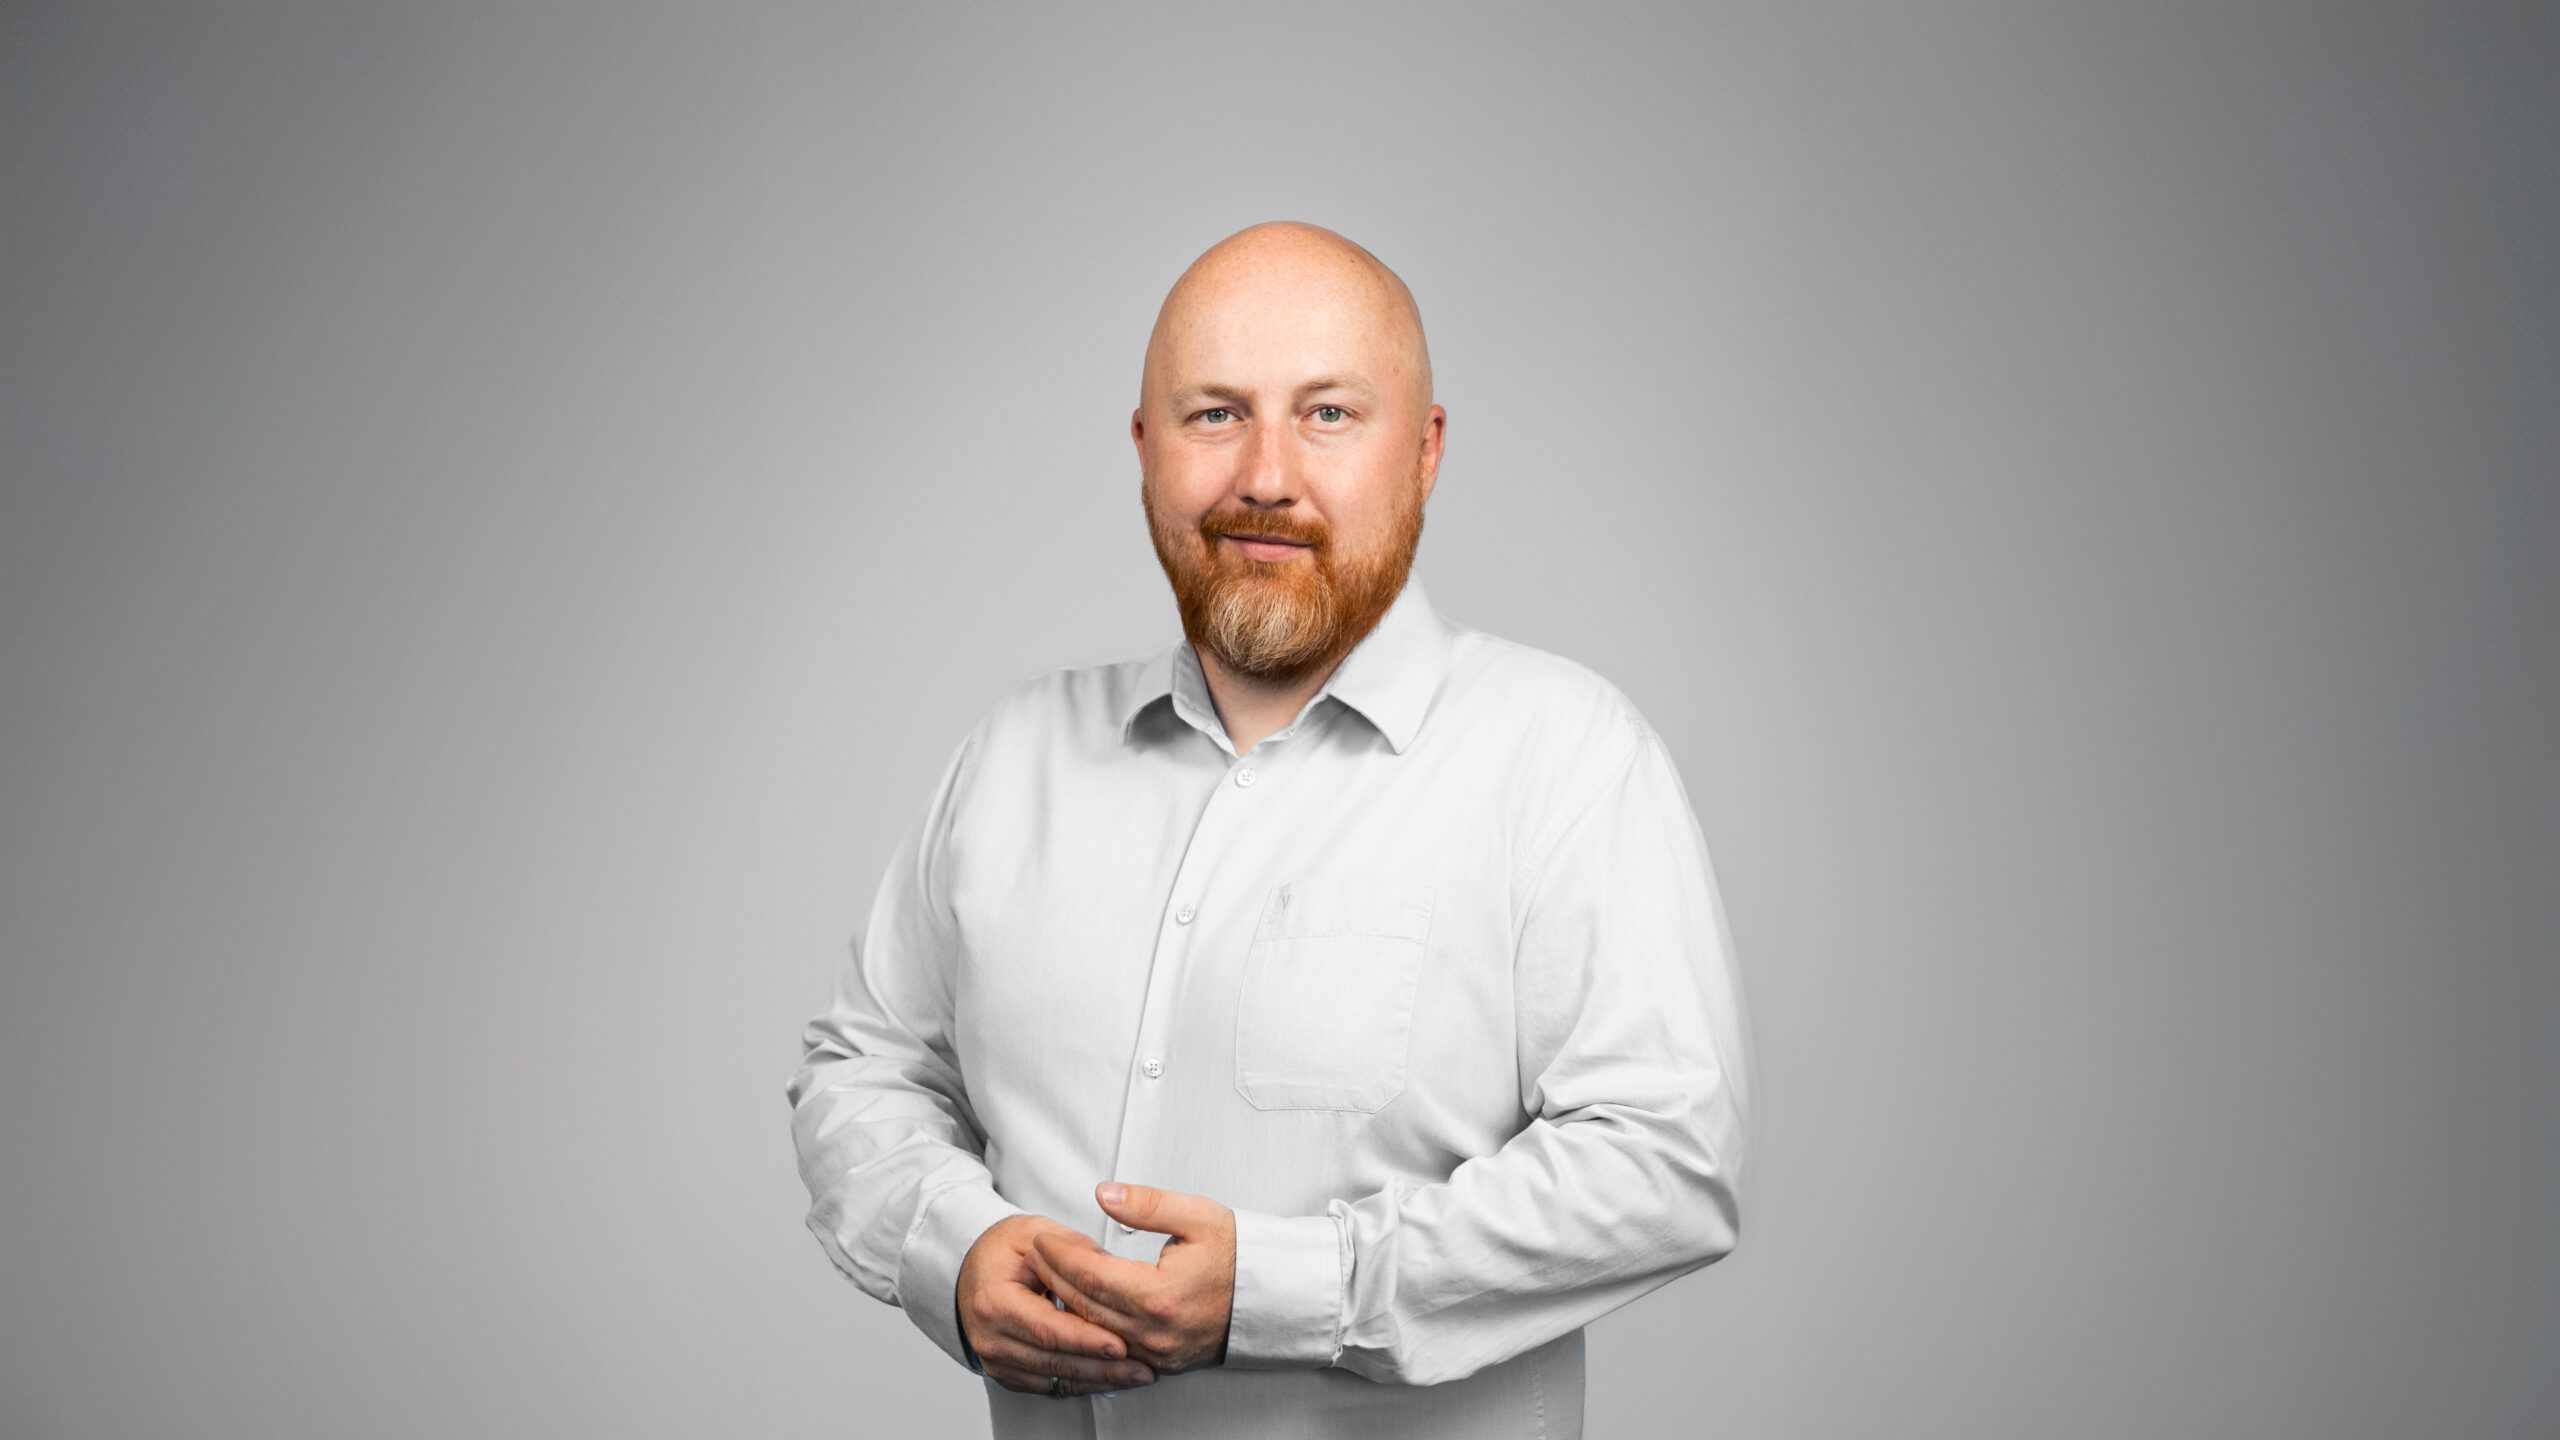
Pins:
x: 1221, y: 394
x: 1191, y: 394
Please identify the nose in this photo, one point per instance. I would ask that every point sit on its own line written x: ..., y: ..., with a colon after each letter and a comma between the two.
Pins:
x: 1270, y: 471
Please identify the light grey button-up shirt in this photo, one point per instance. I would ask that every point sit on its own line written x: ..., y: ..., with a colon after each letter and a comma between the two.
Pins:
x: 1433, y: 988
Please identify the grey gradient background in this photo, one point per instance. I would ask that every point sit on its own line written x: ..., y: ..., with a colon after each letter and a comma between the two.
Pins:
x: 507, y: 509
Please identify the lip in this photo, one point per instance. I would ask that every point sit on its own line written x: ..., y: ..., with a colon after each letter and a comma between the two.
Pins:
x: 1260, y: 547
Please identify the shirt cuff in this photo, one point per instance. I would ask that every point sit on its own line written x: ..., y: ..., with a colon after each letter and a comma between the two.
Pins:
x: 1291, y: 1275
x: 929, y: 1267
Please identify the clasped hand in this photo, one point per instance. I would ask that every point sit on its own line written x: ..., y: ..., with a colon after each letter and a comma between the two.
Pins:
x: 1123, y: 1322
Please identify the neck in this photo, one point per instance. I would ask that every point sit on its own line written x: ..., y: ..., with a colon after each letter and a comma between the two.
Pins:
x: 1253, y: 709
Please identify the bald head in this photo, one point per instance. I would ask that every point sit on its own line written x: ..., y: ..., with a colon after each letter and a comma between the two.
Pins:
x: 1281, y: 292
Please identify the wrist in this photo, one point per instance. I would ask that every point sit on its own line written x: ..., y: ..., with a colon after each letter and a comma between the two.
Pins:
x: 937, y: 1251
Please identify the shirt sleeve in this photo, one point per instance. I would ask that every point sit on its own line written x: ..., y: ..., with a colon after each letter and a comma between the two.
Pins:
x: 1634, y: 1060
x: 889, y: 1147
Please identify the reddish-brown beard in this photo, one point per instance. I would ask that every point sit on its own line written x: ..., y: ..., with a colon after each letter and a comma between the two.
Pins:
x: 1281, y: 621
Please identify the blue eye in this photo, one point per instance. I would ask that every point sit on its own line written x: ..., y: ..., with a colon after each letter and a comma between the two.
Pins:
x: 1219, y: 416
x: 1330, y: 414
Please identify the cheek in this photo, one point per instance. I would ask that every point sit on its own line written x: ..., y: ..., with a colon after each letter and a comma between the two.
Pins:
x: 1361, y: 507
x: 1185, y: 483
x: 1165, y: 493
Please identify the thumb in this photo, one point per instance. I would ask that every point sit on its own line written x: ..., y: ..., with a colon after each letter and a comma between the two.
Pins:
x: 1166, y: 1212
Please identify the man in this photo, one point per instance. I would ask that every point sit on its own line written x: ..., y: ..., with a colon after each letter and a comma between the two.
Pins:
x: 1308, y: 1029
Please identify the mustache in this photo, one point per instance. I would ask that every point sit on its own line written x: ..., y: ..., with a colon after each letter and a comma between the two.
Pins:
x: 1276, y: 525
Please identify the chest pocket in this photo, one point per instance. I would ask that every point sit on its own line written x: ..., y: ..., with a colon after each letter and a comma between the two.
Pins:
x: 1326, y: 1014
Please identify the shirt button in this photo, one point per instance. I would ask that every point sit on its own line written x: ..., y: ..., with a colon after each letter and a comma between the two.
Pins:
x: 1154, y: 1067
x: 1183, y: 915
x: 1245, y: 776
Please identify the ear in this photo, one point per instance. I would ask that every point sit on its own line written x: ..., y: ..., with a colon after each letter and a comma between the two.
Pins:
x: 1138, y: 432
x: 1435, y: 431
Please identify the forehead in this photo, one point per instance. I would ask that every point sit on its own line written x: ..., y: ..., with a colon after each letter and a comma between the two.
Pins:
x: 1275, y: 326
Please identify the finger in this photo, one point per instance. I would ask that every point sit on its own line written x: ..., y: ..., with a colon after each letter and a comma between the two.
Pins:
x: 1077, y: 1389
x: 1029, y: 1370
x: 1085, y: 1302
x: 1035, y: 1367
x: 1041, y: 1267
x: 1032, y: 1382
x: 1114, y: 1283
x: 1056, y: 1233
x: 1066, y: 1239
x: 1070, y: 1390
x: 1165, y: 1212
x: 1026, y: 1318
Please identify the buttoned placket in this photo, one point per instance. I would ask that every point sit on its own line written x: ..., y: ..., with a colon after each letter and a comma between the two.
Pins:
x: 1231, y: 805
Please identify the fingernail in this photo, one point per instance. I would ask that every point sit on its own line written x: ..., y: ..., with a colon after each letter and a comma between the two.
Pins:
x: 1112, y: 1192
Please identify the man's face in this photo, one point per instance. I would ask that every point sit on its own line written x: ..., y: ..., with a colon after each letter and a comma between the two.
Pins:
x: 1288, y: 445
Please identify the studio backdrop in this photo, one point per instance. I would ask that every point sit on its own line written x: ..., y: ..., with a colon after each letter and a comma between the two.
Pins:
x: 505, y: 511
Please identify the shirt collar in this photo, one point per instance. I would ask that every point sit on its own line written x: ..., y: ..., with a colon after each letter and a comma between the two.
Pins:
x: 1389, y: 677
